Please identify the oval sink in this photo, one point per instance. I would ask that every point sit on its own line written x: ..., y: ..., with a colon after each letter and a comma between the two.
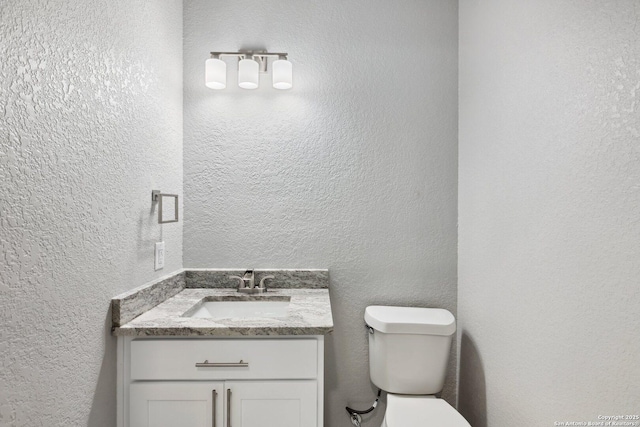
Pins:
x: 240, y: 309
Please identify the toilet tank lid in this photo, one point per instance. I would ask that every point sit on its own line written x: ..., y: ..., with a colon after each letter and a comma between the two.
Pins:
x: 410, y: 320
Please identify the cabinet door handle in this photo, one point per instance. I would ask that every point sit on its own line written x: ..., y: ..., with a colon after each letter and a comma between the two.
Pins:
x: 228, y: 407
x: 214, y: 397
x: 207, y: 364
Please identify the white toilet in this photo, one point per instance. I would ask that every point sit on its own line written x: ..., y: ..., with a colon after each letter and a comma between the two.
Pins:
x: 408, y: 355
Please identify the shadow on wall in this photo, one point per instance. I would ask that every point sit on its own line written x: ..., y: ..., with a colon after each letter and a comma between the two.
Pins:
x: 472, y: 393
x: 103, y: 407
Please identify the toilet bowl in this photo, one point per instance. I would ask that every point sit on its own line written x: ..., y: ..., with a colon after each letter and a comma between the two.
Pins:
x: 408, y: 357
x: 421, y: 411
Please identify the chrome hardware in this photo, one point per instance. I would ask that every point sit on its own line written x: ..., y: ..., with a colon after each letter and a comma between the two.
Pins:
x: 249, y: 279
x: 247, y: 284
x: 369, y: 328
x: 259, y: 56
x: 228, y: 407
x: 262, y: 285
x: 249, y: 287
x: 206, y: 364
x: 214, y: 397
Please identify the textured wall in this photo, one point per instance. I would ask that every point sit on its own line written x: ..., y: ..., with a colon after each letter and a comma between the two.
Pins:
x: 549, y: 254
x: 354, y: 170
x: 90, y: 123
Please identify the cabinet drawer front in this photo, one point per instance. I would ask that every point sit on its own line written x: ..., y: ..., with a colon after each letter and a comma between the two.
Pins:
x: 158, y: 359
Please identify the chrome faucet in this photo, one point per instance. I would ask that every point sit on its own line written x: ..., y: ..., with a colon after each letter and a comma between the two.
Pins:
x: 247, y: 283
x: 249, y: 279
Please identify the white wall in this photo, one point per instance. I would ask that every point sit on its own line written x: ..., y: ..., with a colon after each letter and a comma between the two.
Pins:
x: 549, y: 200
x: 354, y: 170
x: 90, y: 123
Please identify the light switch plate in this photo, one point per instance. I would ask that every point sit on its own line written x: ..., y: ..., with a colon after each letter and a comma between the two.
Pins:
x: 159, y: 256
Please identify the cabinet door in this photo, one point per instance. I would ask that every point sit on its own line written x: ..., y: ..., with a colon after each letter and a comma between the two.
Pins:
x: 176, y: 404
x: 271, y: 403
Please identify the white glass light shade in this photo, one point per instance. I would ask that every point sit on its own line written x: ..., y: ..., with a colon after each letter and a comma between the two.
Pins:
x: 282, y: 74
x: 215, y: 73
x: 248, y: 74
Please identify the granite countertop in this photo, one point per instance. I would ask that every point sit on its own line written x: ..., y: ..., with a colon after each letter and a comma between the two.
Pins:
x: 308, y: 313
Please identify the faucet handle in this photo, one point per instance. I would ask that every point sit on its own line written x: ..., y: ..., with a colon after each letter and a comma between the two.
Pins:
x: 241, y: 284
x: 265, y: 278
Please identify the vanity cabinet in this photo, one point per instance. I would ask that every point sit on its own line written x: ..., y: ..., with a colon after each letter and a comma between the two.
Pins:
x: 221, y: 382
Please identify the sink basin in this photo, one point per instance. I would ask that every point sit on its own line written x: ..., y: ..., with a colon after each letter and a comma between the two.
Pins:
x: 241, y: 309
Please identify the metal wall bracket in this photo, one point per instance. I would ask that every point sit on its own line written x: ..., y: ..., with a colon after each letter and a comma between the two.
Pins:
x: 260, y: 56
x: 157, y: 196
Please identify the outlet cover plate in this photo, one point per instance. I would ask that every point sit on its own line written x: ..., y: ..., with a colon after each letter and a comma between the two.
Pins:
x: 159, y: 263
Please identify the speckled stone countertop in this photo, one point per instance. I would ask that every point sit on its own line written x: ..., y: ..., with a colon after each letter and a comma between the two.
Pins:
x: 309, y: 313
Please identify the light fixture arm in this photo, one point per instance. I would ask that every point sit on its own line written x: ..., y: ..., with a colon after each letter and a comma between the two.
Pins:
x: 259, y: 56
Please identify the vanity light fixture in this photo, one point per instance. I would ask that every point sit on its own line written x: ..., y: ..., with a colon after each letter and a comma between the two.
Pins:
x: 248, y: 74
x: 250, y: 65
x: 216, y: 73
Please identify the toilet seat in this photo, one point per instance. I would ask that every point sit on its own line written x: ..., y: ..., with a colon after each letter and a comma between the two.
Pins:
x: 421, y: 411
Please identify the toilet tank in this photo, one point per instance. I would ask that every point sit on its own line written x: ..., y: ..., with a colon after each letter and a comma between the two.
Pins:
x: 409, y: 348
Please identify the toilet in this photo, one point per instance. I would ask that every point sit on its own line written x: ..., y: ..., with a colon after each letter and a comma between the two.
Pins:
x: 408, y: 356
